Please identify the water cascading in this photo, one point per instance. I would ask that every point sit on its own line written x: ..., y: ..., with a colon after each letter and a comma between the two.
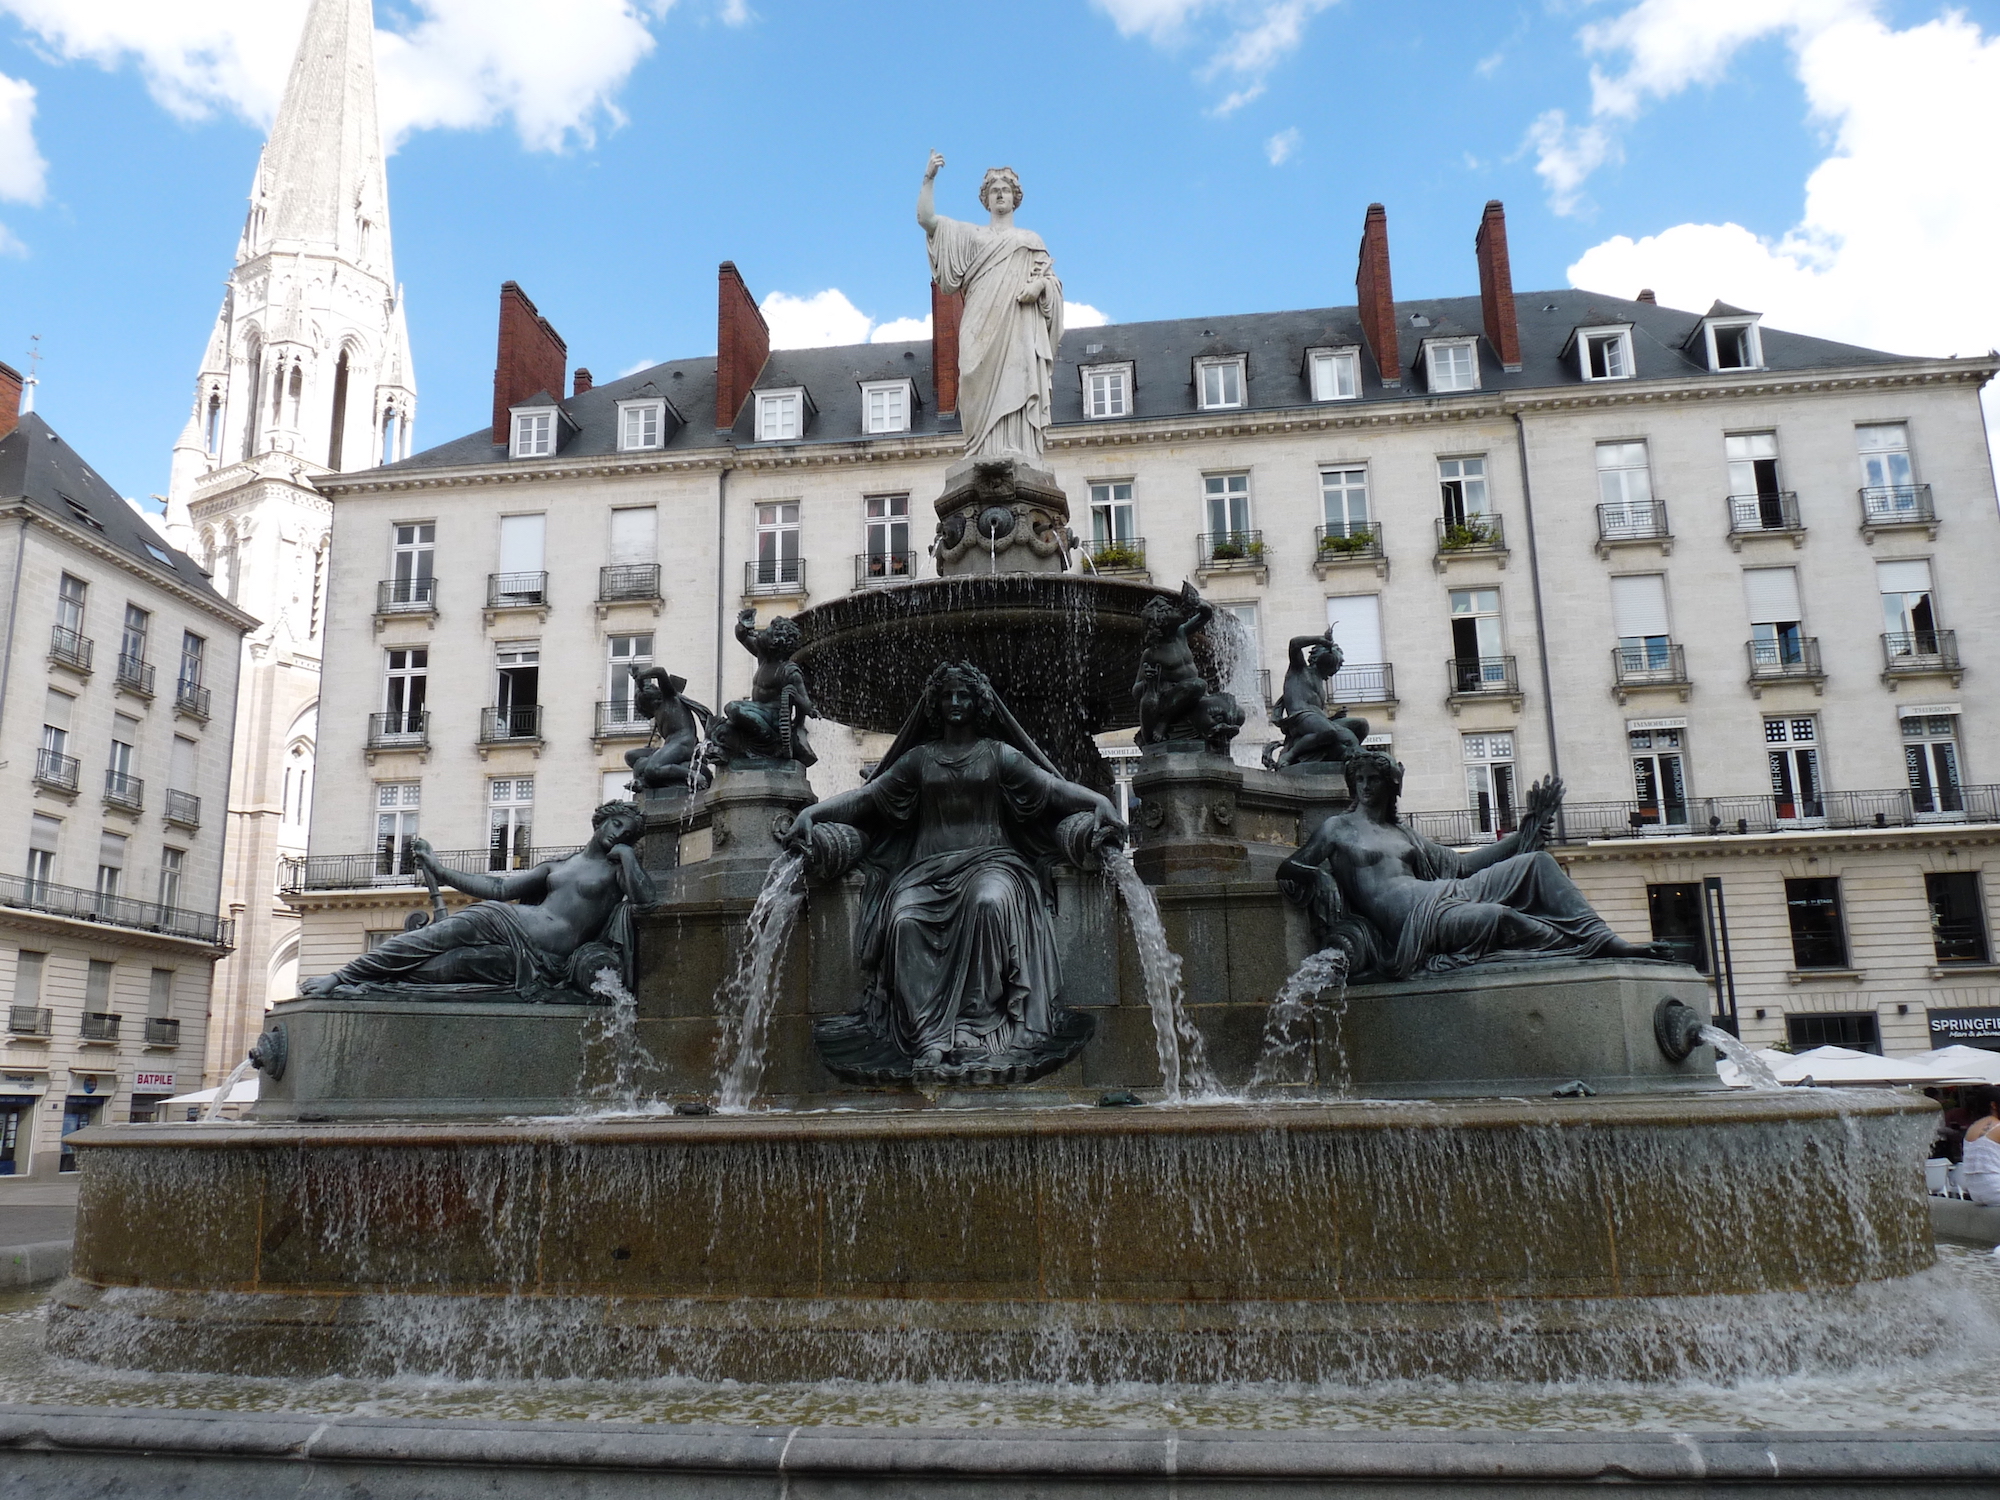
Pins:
x: 1754, y: 1069
x: 751, y: 990
x: 616, y: 1031
x: 1183, y: 1054
x: 1285, y: 1055
x: 211, y: 1114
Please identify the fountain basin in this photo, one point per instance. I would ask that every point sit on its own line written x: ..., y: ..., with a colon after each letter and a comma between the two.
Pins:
x: 1620, y: 1237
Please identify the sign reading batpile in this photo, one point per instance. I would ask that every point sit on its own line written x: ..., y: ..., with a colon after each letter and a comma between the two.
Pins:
x: 1975, y: 1026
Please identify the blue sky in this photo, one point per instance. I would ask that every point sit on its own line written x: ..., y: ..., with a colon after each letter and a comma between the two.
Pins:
x: 1816, y: 159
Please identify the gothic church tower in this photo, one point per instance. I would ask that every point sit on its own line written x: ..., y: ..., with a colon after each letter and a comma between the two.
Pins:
x: 307, y: 372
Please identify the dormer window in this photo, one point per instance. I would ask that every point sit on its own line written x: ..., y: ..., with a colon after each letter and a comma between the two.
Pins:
x: 1451, y: 364
x: 1107, y: 391
x: 642, y: 424
x: 1335, y: 373
x: 534, y: 433
x: 886, y: 405
x: 1733, y: 344
x: 1604, y: 353
x: 782, y: 415
x: 1220, y: 382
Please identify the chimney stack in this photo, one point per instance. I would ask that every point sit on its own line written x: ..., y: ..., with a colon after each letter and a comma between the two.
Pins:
x: 10, y: 399
x: 742, y: 344
x: 582, y: 381
x: 1646, y: 296
x: 947, y: 308
x: 531, y: 359
x: 1378, y: 301
x: 1496, y: 287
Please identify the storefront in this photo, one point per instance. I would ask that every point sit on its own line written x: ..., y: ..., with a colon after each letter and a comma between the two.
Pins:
x: 150, y: 1092
x: 88, y: 1094
x: 1973, y: 1026
x: 17, y: 1127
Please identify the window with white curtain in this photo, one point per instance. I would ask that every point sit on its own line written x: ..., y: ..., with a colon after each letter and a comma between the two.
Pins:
x: 1777, y: 624
x: 1639, y: 615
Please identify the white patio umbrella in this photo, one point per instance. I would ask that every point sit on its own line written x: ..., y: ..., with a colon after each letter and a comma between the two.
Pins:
x: 245, y: 1092
x: 1962, y: 1062
x: 1825, y: 1065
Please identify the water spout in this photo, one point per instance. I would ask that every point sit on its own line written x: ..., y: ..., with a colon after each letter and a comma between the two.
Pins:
x: 751, y: 989
x: 1183, y: 1054
x: 236, y: 1076
x: 1753, y: 1067
x: 1286, y: 1055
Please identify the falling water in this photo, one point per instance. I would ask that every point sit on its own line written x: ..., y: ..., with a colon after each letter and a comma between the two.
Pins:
x: 1236, y: 674
x: 1183, y: 1055
x: 616, y: 1027
x: 1286, y: 1056
x: 236, y: 1076
x: 1752, y: 1066
x: 751, y: 989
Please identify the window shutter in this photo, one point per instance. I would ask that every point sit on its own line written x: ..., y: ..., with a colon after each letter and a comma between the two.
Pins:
x: 1639, y: 605
x: 56, y: 712
x: 42, y: 834
x: 1904, y: 577
x: 111, y: 850
x: 635, y: 535
x: 1772, y: 594
x: 1356, y: 622
x: 521, y: 543
x: 180, y: 772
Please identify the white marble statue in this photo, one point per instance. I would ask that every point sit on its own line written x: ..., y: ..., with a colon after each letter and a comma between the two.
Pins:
x: 1013, y: 316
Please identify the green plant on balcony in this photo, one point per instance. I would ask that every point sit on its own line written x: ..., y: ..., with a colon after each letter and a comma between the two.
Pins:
x: 1349, y: 544
x: 1462, y: 536
x: 1108, y: 555
x: 1237, y: 548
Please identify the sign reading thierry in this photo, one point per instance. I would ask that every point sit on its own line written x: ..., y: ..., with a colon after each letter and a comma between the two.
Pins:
x: 1976, y: 1026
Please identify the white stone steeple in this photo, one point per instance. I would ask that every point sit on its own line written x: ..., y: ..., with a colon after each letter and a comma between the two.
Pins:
x: 309, y: 365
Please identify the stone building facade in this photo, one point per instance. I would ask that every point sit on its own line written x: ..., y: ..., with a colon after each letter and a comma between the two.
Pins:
x: 118, y: 666
x: 1723, y: 579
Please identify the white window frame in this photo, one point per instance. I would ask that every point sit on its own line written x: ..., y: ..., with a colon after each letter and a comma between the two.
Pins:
x: 1227, y: 493
x: 1754, y: 343
x: 1618, y: 336
x: 534, y: 433
x: 1432, y: 380
x: 1492, y: 781
x: 638, y: 411
x: 1120, y: 381
x: 899, y: 422
x: 511, y: 816
x: 772, y: 403
x: 1105, y: 504
x: 1238, y: 362
x: 1334, y: 362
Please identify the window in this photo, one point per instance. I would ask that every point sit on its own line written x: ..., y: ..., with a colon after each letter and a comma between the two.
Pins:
x: 396, y: 807
x: 110, y: 865
x: 1243, y: 652
x: 1754, y: 500
x: 1220, y: 382
x: 1228, y: 497
x: 511, y: 815
x: 28, y: 969
x: 635, y: 536
x: 1625, y: 487
x: 1356, y: 623
x: 1462, y: 489
x: 410, y: 562
x: 172, y: 863
x: 1478, y: 657
x: 213, y: 441
x: 1819, y: 940
x: 1958, y: 917
x: 1792, y: 748
x: 1343, y: 497
x: 1930, y: 755
x: 641, y: 424
x: 1659, y: 775
x: 1111, y: 514
x: 69, y: 603
x: 625, y: 654
x: 79, y: 1111
x: 1858, y: 1031
x: 1453, y: 364
x: 1888, y: 482
x: 1909, y: 613
x: 518, y: 687
x: 521, y: 580
x: 194, y: 655
x: 1336, y: 374
x: 534, y: 433
x: 119, y: 780
x: 1489, y: 781
x: 405, y: 683
x: 43, y: 831
x: 885, y: 406
x: 1107, y: 391
x: 778, y: 416
x: 1735, y: 345
x: 886, y: 535
x: 777, y: 543
x: 1676, y: 913
x: 181, y: 764
x: 1639, y: 615
x: 1606, y: 354
x: 132, y: 641
x: 1776, y: 630
x: 160, y: 993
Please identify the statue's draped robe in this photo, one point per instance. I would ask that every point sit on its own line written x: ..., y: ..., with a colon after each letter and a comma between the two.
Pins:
x: 1006, y: 350
x: 956, y: 923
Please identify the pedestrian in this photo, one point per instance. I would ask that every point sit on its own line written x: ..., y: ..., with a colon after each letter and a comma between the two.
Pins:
x: 1980, y: 1174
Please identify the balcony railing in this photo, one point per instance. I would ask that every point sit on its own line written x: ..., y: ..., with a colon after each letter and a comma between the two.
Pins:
x: 1782, y: 659
x: 1777, y: 511
x: 1347, y: 541
x: 100, y: 1026
x: 191, y: 698
x: 517, y: 590
x: 399, y: 730
x: 394, y: 867
x: 501, y: 726
x: 406, y: 596
x: 58, y: 772
x: 1920, y: 651
x: 625, y: 582
x: 1125, y: 554
x: 1223, y: 550
x: 30, y: 1020
x: 1363, y: 682
x: 89, y: 906
x: 1897, y: 505
x: 122, y: 790
x: 622, y: 721
x: 163, y: 1031
x: 71, y: 649
x: 1461, y: 826
x: 1474, y: 676
x: 1475, y: 534
x: 183, y: 808
x: 1634, y: 521
x: 873, y: 569
x: 774, y: 575
x: 1650, y: 664
x: 135, y: 674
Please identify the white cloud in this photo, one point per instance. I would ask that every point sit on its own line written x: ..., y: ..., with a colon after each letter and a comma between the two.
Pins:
x: 10, y: 243
x: 1566, y: 155
x: 1245, y: 39
x: 736, y: 13
x: 636, y: 366
x: 901, y: 330
x: 23, y: 173
x: 1082, y: 315
x: 1279, y: 148
x: 816, y: 322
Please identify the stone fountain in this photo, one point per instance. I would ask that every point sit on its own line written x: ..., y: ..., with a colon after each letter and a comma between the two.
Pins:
x: 933, y: 1080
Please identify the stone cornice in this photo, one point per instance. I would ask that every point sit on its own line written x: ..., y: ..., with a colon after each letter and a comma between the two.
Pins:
x: 76, y: 929
x: 89, y: 544
x: 1804, y: 843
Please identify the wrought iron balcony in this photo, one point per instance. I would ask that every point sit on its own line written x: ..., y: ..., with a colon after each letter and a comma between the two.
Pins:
x: 57, y: 772
x: 1782, y: 660
x: 1776, y: 511
x: 30, y: 1020
x: 1920, y: 651
x: 100, y: 1026
x: 122, y: 790
x: 1483, y: 676
x: 91, y: 906
x: 1347, y: 541
x: 774, y: 576
x: 1474, y: 535
x: 1222, y: 551
x: 191, y: 698
x: 183, y: 808
x: 502, y: 726
x: 624, y: 583
x: 71, y: 649
x: 1362, y: 682
x: 1650, y: 664
x: 517, y: 590
x: 163, y: 1031
x: 135, y: 674
x: 1635, y: 521
x: 1115, y: 555
x: 406, y: 596
x: 874, y: 569
x: 399, y: 730
x: 622, y: 721
x: 1897, y: 505
x: 393, y: 866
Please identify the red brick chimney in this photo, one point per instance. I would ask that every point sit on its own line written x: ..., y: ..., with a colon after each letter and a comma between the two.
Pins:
x: 582, y: 381
x: 946, y: 310
x: 1646, y: 296
x: 1378, y: 301
x: 10, y: 399
x: 742, y: 344
x: 1496, y: 286
x: 532, y: 357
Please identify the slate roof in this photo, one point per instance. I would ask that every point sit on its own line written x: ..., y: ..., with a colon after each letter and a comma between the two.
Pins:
x: 1162, y: 354
x: 36, y: 463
